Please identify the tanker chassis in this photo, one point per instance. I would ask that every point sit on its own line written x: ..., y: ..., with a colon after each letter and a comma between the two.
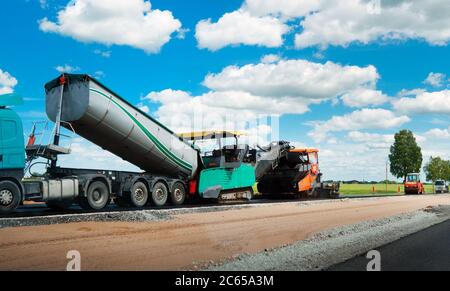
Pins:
x: 94, y: 189
x: 60, y: 187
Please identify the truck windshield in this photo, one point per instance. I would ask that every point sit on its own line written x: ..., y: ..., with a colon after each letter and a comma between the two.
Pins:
x: 439, y: 183
x: 412, y: 178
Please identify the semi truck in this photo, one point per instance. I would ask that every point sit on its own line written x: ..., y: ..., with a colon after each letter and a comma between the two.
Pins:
x: 172, y: 168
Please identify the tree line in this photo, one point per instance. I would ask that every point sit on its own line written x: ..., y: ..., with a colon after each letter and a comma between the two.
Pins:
x: 437, y: 169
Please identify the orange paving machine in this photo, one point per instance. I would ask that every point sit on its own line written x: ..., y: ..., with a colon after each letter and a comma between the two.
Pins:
x: 295, y: 171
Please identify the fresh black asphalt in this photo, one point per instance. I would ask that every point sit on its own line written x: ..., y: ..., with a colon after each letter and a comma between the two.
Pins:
x: 427, y: 250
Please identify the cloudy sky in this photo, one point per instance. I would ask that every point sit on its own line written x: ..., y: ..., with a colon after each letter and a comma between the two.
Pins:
x: 340, y: 75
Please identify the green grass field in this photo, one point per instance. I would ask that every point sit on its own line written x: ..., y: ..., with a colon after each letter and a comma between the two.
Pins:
x: 367, y: 189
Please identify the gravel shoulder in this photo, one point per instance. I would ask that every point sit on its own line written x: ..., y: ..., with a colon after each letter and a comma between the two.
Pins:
x: 334, y: 246
x: 148, y: 215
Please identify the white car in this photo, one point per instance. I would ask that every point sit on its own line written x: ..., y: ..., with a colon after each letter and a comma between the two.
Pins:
x: 440, y: 186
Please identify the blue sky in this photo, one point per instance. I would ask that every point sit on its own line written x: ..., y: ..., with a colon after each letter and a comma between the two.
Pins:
x: 403, y: 56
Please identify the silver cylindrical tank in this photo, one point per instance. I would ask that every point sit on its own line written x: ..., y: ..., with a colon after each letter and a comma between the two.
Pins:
x: 101, y: 116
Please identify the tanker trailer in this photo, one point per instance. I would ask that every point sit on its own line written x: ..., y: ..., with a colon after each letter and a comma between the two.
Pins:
x: 88, y: 108
x: 102, y: 117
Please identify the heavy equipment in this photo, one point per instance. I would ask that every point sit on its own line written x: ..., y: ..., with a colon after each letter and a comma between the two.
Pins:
x: 172, y: 167
x: 413, y: 185
x: 228, y: 172
x: 283, y: 169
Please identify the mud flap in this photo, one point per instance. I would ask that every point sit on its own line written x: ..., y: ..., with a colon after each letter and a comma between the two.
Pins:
x: 212, y: 192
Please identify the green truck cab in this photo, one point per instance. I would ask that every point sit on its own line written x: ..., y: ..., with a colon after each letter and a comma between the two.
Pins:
x: 12, y: 154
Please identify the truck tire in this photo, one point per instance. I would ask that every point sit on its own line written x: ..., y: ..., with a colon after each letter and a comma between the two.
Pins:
x: 97, y: 197
x: 10, y: 197
x: 160, y: 194
x: 139, y: 195
x: 59, y: 205
x: 178, y: 195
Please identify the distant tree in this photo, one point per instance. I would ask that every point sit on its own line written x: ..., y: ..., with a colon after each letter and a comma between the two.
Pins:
x: 437, y: 169
x: 406, y: 155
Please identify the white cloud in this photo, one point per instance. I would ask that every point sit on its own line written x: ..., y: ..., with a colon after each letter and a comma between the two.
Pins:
x: 143, y: 108
x: 99, y: 74
x: 181, y: 33
x: 341, y: 22
x: 43, y: 4
x: 183, y: 112
x: 363, y: 155
x: 285, y: 9
x: 328, y: 22
x: 105, y: 54
x: 216, y: 110
x: 364, y: 97
x: 67, y: 69
x: 364, y: 137
x: 357, y: 120
x: 425, y: 102
x: 372, y: 140
x: 411, y: 93
x: 91, y: 156
x: 439, y: 133
x: 350, y: 161
x: 7, y: 82
x: 294, y: 78
x: 240, y: 27
x: 269, y: 59
x: 168, y: 96
x: 115, y: 22
x: 242, y: 95
x: 435, y: 79
x: 256, y: 22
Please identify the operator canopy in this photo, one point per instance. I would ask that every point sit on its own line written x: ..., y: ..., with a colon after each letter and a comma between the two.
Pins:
x: 213, y: 134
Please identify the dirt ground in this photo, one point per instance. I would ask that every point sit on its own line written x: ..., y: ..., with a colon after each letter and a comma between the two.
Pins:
x: 189, y: 239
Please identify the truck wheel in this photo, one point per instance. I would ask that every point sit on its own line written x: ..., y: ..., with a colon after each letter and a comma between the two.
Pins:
x: 159, y: 194
x: 178, y: 195
x: 97, y: 197
x: 139, y: 195
x: 59, y: 205
x: 9, y: 197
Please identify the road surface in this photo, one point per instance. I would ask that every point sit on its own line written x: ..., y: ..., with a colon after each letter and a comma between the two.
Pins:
x: 191, y: 238
x: 427, y: 250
